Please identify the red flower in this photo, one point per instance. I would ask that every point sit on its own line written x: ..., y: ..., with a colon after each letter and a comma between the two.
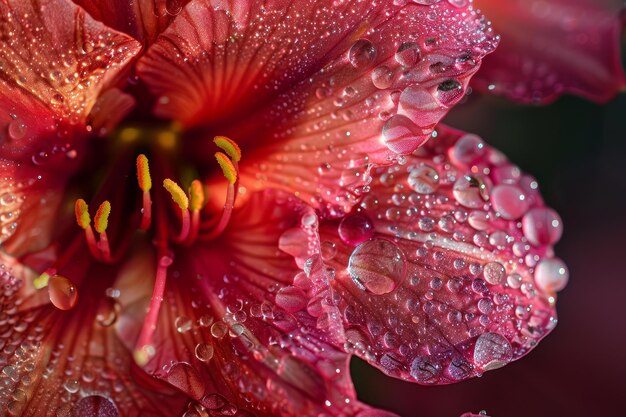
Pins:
x: 215, y: 278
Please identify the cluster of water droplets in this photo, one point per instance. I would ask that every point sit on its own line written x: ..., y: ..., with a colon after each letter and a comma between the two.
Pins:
x: 452, y: 254
x: 63, y: 65
x: 381, y: 98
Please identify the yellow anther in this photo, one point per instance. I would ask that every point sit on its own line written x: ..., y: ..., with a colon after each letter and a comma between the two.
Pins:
x: 227, y: 167
x: 82, y: 213
x: 130, y: 134
x: 101, y: 220
x: 41, y: 281
x: 143, y: 173
x: 196, y: 192
x: 178, y: 195
x: 229, y: 146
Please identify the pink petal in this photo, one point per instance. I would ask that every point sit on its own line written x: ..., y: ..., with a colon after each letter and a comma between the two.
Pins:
x: 553, y: 47
x: 64, y: 363
x: 435, y: 278
x: 56, y: 60
x: 219, y: 69
x: 142, y: 19
x: 324, y: 100
x: 243, y: 327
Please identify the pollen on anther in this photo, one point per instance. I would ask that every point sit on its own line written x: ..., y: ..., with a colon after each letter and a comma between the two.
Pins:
x: 82, y: 213
x: 229, y: 146
x: 227, y: 167
x: 101, y: 219
x: 196, y: 194
x: 143, y: 173
x: 177, y: 193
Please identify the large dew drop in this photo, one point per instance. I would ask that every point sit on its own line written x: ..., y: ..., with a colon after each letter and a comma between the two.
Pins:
x: 551, y: 275
x: 492, y: 351
x: 185, y: 378
x: 62, y: 292
x: 542, y: 226
x: 362, y: 54
x: 401, y: 135
x: 377, y: 266
x: 95, y: 406
x: 356, y: 229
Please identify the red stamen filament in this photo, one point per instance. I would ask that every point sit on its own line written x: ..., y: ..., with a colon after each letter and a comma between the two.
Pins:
x: 225, y: 218
x: 105, y: 248
x: 146, y: 211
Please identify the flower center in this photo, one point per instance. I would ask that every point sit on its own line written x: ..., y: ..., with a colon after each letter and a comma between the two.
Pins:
x: 167, y: 201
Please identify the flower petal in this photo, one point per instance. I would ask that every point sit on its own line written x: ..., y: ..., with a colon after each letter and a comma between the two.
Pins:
x: 436, y: 278
x: 64, y: 363
x: 142, y: 19
x: 55, y: 61
x: 324, y: 99
x: 242, y: 328
x: 553, y: 47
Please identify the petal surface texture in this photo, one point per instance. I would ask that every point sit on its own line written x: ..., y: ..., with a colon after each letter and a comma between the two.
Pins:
x: 55, y: 61
x: 70, y: 363
x: 435, y: 278
x: 553, y: 47
x: 142, y: 19
x: 246, y: 330
x: 325, y: 90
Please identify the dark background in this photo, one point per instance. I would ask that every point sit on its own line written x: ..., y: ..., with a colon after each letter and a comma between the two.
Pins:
x: 577, y: 151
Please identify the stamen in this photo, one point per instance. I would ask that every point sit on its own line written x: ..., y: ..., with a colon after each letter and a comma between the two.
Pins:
x: 144, y: 350
x: 229, y: 146
x: 196, y: 194
x: 101, y: 221
x: 226, y: 213
x: 228, y: 168
x: 81, y: 209
x: 41, y: 281
x: 177, y: 193
x: 180, y: 198
x: 145, y: 184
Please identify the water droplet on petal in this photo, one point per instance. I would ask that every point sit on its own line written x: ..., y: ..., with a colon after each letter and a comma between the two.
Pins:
x: 551, y: 275
x: 408, y: 54
x: 62, y: 292
x: 382, y: 77
x: 449, y: 91
x: 107, y: 312
x: 509, y: 201
x: 492, y: 351
x: 184, y: 377
x: 541, y: 226
x: 494, y: 273
x: 467, y: 150
x: 17, y: 129
x: 173, y: 7
x: 182, y: 324
x: 362, y: 54
x: 470, y: 191
x: 377, y: 266
x: 355, y: 229
x: 425, y: 370
x: 95, y: 406
x: 424, y: 179
x: 204, y: 352
x: 291, y: 299
x: 401, y: 135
